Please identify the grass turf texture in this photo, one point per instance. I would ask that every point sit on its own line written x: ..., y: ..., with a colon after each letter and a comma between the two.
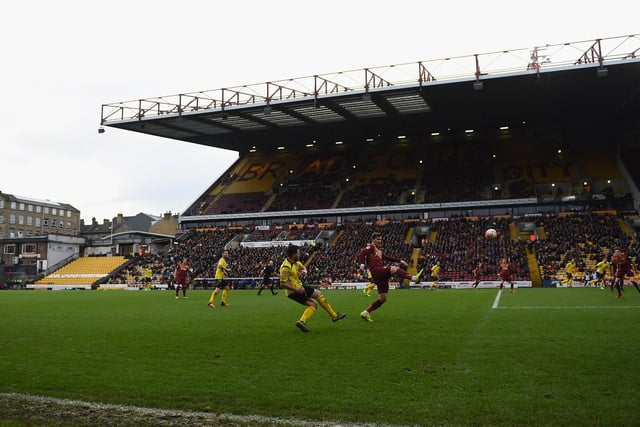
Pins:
x: 543, y: 357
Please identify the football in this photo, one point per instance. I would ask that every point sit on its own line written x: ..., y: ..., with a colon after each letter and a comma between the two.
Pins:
x: 491, y: 233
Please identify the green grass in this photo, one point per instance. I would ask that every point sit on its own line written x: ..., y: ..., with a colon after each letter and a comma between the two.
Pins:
x: 543, y: 357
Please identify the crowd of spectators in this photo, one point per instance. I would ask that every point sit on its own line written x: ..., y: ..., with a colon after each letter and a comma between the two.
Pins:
x: 457, y: 243
x: 585, y: 237
x: 339, y: 261
x: 460, y: 244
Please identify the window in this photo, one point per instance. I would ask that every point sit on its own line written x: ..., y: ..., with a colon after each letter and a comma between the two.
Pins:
x: 1, y: 203
x: 12, y: 233
x: 1, y: 219
x: 20, y: 234
x: 28, y: 234
x: 53, y: 223
x: 38, y: 221
x: 13, y: 205
x: 54, y: 211
x: 30, y: 208
x: 28, y: 248
x: 68, y: 214
x: 45, y: 222
x: 46, y: 209
x: 21, y: 206
x: 38, y: 209
x: 30, y: 221
x: 9, y: 249
x: 68, y: 225
x: 61, y: 224
x: 21, y: 219
x: 61, y: 212
x: 12, y: 218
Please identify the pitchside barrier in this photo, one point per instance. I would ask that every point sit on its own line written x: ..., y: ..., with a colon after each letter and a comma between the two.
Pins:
x: 58, y: 287
x: 136, y: 287
x: 252, y: 282
x: 485, y: 284
x: 105, y: 287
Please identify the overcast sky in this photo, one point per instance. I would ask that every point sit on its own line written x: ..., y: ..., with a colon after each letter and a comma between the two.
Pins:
x: 61, y: 60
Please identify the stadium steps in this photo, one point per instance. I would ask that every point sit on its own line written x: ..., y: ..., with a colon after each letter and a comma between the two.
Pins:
x: 309, y: 259
x: 336, y: 238
x: 415, y: 259
x: 624, y: 226
x: 513, y: 232
x: 407, y: 238
x: 534, y: 269
x: 336, y: 202
x: 541, y: 233
x: 269, y: 202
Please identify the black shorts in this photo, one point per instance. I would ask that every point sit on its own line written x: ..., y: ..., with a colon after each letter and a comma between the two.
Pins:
x: 302, y: 298
x: 220, y: 283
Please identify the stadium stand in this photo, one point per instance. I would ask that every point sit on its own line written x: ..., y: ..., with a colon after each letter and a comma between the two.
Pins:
x: 408, y: 158
x: 84, y: 271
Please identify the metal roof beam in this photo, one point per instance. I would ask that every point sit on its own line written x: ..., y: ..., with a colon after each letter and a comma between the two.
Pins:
x: 384, y: 105
x: 592, y: 55
x: 255, y: 119
x: 210, y: 122
x: 372, y: 80
x: 293, y: 113
x: 337, y: 109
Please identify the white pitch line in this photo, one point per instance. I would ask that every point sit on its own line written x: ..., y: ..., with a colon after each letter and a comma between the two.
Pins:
x: 497, y: 300
x: 595, y: 307
x: 178, y: 417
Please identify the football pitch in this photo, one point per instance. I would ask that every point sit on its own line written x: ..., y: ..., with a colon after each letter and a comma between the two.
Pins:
x: 448, y: 357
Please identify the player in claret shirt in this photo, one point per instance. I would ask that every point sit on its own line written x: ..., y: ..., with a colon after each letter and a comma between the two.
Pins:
x: 371, y: 258
x: 622, y: 266
x: 504, y: 272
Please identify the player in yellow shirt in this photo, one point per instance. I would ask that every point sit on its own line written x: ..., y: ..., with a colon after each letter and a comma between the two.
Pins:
x: 220, y: 282
x: 290, y: 272
x: 570, y: 270
x: 601, y: 271
x: 368, y: 289
x: 148, y: 278
x: 435, y: 271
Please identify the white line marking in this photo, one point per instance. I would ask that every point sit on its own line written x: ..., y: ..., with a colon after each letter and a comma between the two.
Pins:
x: 169, y: 417
x: 497, y: 300
x: 595, y: 307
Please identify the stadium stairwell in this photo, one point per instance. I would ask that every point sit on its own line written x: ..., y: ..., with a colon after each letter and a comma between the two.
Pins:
x: 269, y: 202
x: 534, y: 269
x: 415, y: 255
x: 542, y: 235
x: 513, y: 231
x: 336, y: 202
x: 407, y: 238
x: 309, y: 259
x: 337, y: 237
x: 624, y: 226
